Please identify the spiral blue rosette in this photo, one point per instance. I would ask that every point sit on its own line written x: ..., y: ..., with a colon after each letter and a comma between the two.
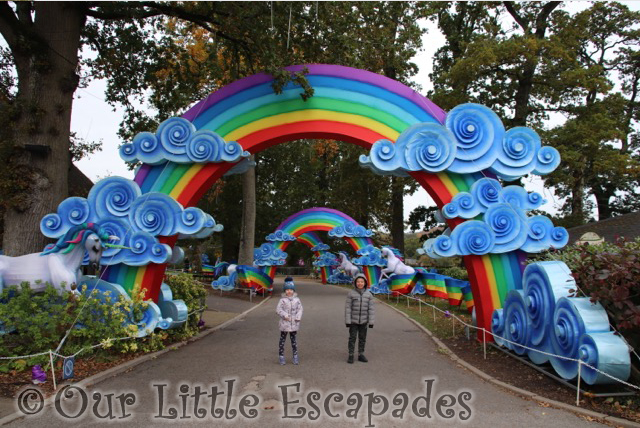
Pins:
x: 383, y: 158
x: 479, y: 132
x: 520, y: 199
x: 542, y: 235
x: 543, y: 284
x: 573, y: 317
x: 144, y: 249
x: 517, y: 156
x: 156, y: 213
x: 462, y: 205
x: 548, y: 159
x: 71, y: 212
x: 508, y: 227
x: 486, y: 191
x: 204, y: 146
x: 350, y: 230
x: 232, y: 152
x: 320, y: 247
x: 145, y: 146
x: 268, y: 255
x: 441, y: 246
x: 497, y: 328
x: 115, y: 227
x: 427, y: 147
x: 607, y: 353
x: 473, y: 237
x: 225, y: 283
x: 280, y: 236
x: 174, y: 133
x: 112, y: 196
x: 516, y: 324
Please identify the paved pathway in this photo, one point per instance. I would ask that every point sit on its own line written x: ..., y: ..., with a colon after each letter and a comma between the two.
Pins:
x: 401, y: 359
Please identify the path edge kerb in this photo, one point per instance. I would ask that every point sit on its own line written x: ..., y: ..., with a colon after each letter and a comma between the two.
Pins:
x: 113, y: 371
x: 524, y: 393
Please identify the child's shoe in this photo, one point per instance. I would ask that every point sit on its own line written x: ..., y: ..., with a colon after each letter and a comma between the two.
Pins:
x: 282, y: 361
x: 295, y: 359
x: 362, y: 358
x: 350, y: 359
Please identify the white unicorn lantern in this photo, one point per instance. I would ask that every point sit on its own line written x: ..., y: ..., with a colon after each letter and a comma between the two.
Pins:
x: 59, y: 264
x: 394, y: 264
x: 348, y: 267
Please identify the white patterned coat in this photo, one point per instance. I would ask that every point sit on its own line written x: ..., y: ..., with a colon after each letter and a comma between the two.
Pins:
x: 289, y: 308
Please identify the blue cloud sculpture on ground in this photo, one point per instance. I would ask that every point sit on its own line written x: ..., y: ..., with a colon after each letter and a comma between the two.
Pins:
x: 320, y: 247
x: 544, y: 317
x: 177, y: 140
x: 350, y: 230
x: 280, y: 236
x: 370, y: 256
x: 268, y: 255
x: 473, y: 139
x: 118, y: 205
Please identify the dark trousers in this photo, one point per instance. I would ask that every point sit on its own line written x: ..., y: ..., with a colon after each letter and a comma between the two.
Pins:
x: 283, y: 338
x: 359, y: 330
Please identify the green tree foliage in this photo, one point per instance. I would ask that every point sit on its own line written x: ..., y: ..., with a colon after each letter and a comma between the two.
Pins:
x: 530, y: 60
x: 167, y: 55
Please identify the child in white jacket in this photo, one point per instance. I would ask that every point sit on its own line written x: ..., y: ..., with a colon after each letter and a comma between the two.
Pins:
x: 289, y: 310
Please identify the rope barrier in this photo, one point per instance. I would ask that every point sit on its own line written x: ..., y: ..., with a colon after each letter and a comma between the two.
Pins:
x: 484, y: 331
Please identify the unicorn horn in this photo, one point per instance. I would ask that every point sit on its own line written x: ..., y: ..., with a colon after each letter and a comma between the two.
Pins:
x: 120, y: 247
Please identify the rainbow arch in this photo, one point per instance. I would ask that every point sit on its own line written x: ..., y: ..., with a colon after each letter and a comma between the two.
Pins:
x: 314, y: 219
x: 349, y: 105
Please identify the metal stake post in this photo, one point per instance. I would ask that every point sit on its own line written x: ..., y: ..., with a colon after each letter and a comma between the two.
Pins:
x: 484, y: 342
x: 453, y: 327
x: 578, y: 388
x: 420, y: 306
x: 407, y: 301
x: 53, y: 374
x: 434, y: 313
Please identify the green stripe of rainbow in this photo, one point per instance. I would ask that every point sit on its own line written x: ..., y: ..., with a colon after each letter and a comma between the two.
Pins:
x: 349, y: 105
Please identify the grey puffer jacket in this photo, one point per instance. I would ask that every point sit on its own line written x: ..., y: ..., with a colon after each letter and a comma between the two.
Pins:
x: 359, y: 307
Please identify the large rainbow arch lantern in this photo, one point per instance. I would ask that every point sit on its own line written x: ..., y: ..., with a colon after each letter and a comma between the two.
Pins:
x: 336, y: 223
x: 349, y: 105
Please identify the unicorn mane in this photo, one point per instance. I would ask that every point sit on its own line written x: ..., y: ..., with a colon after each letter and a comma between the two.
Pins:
x: 74, y: 236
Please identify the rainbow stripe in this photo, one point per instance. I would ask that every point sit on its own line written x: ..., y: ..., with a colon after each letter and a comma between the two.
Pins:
x: 402, y: 284
x: 349, y: 105
x: 251, y: 277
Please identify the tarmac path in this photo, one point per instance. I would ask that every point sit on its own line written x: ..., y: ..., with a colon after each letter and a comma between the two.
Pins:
x: 402, y: 359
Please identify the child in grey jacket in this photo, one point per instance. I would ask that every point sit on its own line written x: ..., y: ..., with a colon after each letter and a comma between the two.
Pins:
x: 359, y: 312
x: 289, y: 310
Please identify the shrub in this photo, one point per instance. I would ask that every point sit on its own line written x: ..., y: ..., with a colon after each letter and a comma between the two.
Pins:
x: 454, y: 272
x: 37, y: 322
x: 194, y: 294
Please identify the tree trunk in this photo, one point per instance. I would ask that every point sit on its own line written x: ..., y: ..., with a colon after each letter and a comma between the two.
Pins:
x: 603, y: 198
x: 247, y: 230
x: 46, y: 57
x: 397, y: 213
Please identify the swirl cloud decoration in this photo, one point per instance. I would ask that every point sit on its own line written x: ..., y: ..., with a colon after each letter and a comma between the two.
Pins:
x: 178, y: 141
x: 326, y: 259
x: 504, y: 226
x: 473, y: 139
x: 268, y: 255
x: 281, y: 236
x: 320, y: 247
x: 118, y: 206
x: 350, y: 230
x: 370, y: 256
x: 544, y: 317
